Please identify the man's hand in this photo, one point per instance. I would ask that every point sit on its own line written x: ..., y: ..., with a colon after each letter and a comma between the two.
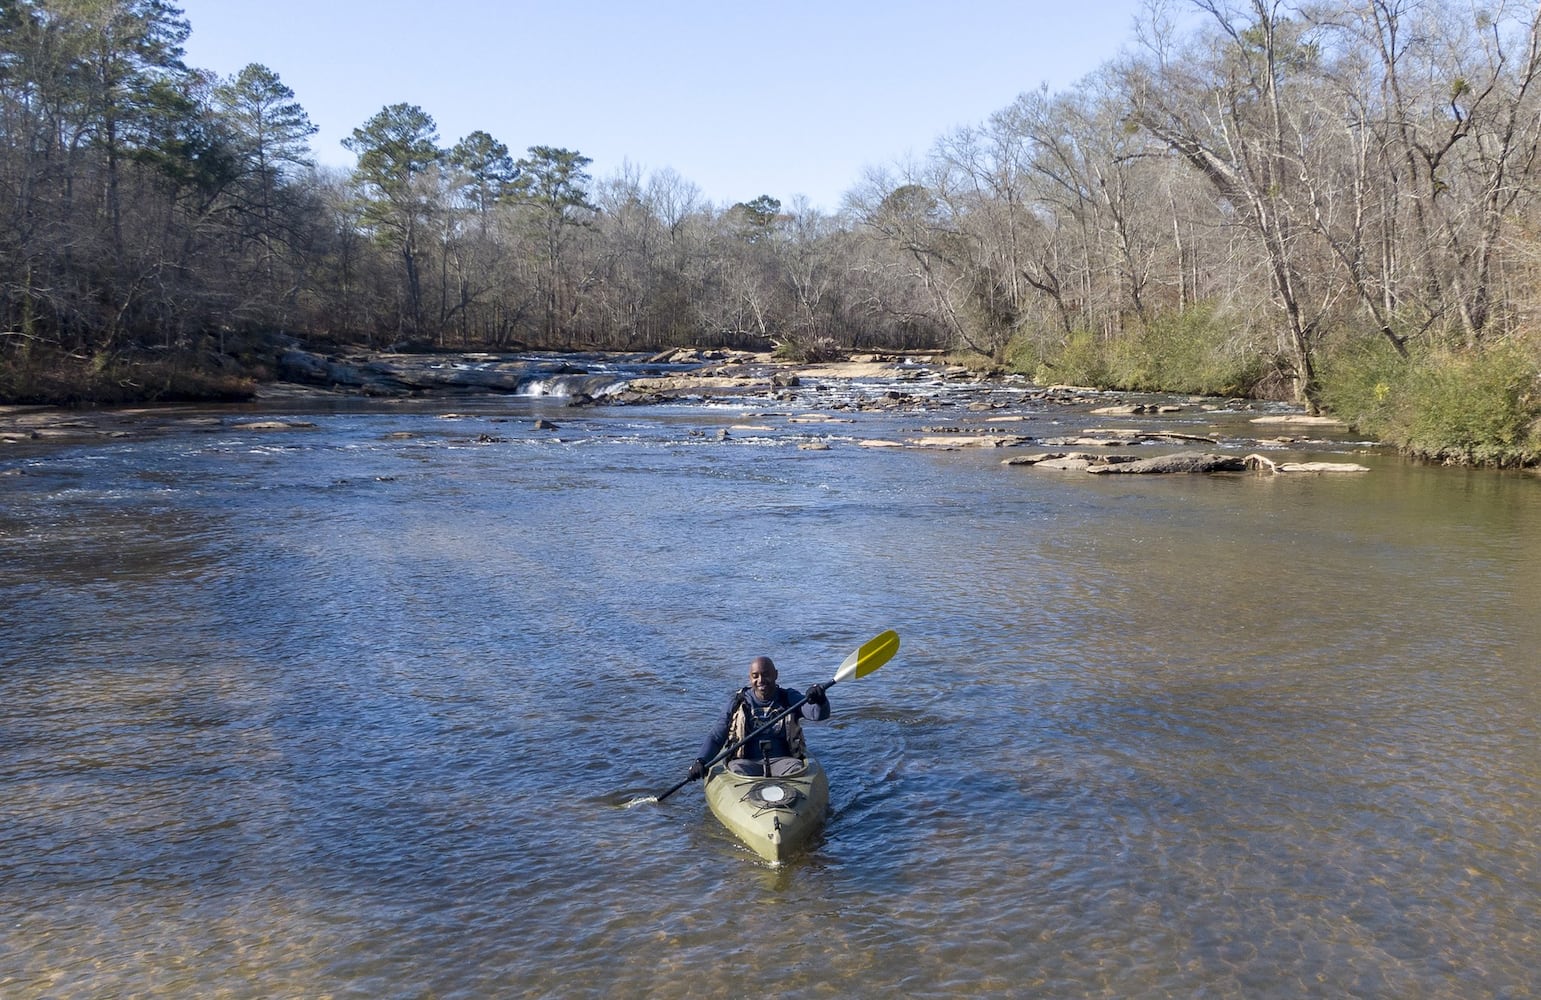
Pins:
x: 816, y: 696
x: 698, y: 769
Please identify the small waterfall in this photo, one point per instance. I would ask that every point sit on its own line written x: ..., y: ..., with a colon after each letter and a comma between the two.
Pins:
x: 594, y: 386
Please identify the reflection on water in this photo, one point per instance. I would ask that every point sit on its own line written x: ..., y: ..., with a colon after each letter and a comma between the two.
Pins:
x: 359, y: 712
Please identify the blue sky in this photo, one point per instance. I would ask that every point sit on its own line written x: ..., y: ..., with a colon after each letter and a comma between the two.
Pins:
x: 741, y: 99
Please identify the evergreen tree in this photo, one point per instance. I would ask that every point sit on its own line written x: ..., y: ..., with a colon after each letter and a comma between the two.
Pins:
x: 553, y: 185
x: 397, y: 156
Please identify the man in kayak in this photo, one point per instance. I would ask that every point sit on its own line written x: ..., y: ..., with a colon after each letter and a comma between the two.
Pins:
x: 781, y: 744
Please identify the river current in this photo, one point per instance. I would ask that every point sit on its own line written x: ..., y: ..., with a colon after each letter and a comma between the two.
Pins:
x: 377, y: 708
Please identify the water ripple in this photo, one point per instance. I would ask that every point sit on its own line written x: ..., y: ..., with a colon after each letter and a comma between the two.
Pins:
x: 362, y: 715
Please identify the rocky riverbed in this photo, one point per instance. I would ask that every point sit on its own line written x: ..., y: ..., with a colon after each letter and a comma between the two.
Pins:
x: 953, y: 407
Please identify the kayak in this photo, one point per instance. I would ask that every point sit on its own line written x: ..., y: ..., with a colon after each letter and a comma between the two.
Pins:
x: 775, y: 816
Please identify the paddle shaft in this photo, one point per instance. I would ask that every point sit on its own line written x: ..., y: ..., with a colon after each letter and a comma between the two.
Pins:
x: 676, y: 788
x: 762, y: 727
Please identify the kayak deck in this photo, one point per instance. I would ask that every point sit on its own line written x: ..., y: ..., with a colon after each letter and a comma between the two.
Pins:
x: 776, y: 816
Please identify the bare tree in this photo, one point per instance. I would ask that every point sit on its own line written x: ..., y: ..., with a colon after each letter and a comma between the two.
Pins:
x: 1450, y: 98
x: 1225, y: 111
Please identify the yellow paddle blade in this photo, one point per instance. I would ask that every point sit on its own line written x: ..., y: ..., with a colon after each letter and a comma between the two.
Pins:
x: 873, y: 654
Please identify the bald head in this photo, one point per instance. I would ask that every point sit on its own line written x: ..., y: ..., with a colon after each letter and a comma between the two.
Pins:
x: 762, y: 677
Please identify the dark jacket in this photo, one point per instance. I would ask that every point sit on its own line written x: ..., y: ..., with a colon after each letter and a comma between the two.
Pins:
x: 781, y: 736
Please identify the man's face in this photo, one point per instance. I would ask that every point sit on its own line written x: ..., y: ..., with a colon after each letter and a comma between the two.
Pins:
x: 762, y: 680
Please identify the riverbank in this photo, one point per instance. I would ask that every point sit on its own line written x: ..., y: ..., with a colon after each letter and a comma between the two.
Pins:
x: 940, y: 406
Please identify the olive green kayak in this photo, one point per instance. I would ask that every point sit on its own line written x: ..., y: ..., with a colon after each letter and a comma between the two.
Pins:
x: 775, y: 816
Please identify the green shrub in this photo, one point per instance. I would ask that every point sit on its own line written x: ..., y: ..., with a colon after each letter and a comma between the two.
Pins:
x: 1024, y: 356
x: 1364, y: 382
x: 1475, y: 407
x: 1080, y: 360
x: 1198, y: 351
x: 1481, y: 408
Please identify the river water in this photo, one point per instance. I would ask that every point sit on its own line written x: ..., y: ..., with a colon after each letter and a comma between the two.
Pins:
x: 375, y: 708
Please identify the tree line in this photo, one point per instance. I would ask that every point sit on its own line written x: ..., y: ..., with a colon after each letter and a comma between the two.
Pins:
x: 153, y: 206
x: 1255, y: 189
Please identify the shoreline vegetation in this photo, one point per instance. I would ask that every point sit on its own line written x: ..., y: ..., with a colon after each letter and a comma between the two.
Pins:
x: 1337, y: 207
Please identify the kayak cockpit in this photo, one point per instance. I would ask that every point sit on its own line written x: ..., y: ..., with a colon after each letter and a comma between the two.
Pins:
x: 775, y: 815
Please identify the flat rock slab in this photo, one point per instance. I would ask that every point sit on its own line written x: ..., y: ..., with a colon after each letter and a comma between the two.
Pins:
x: 273, y: 425
x: 692, y: 383
x: 1323, y: 467
x: 1068, y: 461
x: 1267, y: 464
x: 1300, y: 419
x: 1131, y: 409
x: 968, y: 441
x: 1079, y: 463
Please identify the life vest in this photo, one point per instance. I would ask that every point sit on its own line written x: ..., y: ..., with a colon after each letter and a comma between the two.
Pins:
x: 745, y: 722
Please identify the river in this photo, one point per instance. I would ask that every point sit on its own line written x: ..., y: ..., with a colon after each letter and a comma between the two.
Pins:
x: 376, y: 708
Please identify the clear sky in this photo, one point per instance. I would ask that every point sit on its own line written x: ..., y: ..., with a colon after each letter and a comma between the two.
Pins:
x: 741, y: 99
